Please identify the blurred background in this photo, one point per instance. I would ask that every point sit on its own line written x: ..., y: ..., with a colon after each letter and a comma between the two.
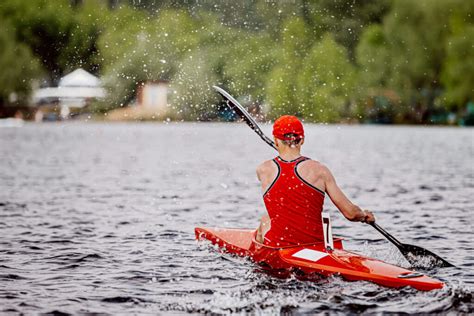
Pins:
x: 330, y: 61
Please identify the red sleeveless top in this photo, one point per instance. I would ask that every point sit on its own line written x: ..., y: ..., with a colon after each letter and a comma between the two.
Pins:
x: 294, y: 207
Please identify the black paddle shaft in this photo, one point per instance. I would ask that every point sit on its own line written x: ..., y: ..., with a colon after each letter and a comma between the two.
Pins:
x: 234, y: 105
x: 392, y: 239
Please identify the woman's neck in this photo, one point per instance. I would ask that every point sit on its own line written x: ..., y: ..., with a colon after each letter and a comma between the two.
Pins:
x: 288, y: 153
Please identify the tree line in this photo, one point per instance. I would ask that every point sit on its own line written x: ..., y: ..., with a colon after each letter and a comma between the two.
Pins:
x: 389, y: 61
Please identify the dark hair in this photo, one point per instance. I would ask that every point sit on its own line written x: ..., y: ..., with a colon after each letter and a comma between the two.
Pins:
x: 293, y: 140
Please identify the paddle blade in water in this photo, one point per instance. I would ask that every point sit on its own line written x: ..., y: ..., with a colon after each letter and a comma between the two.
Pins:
x: 418, y: 257
x: 422, y: 258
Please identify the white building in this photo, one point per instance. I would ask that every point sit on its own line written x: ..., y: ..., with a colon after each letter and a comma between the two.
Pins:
x: 153, y: 95
x: 74, y: 90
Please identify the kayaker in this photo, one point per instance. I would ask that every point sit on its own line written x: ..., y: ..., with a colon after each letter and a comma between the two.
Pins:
x: 294, y: 188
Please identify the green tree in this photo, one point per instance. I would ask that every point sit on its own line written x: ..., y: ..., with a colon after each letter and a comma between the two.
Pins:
x: 373, y: 55
x: 345, y: 19
x: 407, y: 54
x: 119, y: 37
x: 458, y: 67
x: 374, y: 77
x: 150, y: 50
x: 326, y: 82
x: 192, y: 93
x: 281, y: 86
x: 247, y: 62
x: 18, y: 65
x: 81, y: 48
x: 42, y: 25
x: 61, y: 36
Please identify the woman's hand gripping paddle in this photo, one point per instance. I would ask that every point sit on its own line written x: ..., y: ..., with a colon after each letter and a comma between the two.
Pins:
x: 416, y: 256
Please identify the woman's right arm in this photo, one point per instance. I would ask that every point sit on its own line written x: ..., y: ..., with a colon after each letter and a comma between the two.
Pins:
x: 350, y: 211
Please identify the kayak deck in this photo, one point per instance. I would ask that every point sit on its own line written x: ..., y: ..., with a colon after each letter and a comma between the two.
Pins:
x: 315, y: 258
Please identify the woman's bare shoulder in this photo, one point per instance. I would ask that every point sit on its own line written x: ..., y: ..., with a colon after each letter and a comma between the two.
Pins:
x: 266, y: 170
x: 313, y: 164
x: 266, y: 166
x: 313, y: 167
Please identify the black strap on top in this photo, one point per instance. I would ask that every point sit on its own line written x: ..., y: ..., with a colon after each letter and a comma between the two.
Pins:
x: 303, y: 180
x: 298, y: 160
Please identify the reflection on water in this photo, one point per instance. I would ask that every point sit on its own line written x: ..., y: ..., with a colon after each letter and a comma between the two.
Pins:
x: 100, y: 218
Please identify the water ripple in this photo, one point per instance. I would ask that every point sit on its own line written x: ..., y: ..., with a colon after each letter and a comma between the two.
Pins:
x: 98, y: 219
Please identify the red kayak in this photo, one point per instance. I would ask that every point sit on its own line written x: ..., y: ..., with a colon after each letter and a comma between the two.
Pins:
x: 316, y: 258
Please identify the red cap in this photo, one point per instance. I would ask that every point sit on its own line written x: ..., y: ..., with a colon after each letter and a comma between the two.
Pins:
x: 288, y: 124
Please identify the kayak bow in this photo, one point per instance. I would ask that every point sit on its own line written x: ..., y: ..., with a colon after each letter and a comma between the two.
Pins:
x: 315, y: 258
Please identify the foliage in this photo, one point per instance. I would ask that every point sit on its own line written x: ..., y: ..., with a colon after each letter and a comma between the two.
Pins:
x: 61, y: 37
x: 326, y: 61
x: 293, y: 46
x: 344, y: 19
x: 147, y: 51
x: 458, y: 67
x: 326, y: 82
x: 407, y: 53
x: 373, y: 55
x: 193, y: 97
x: 18, y: 66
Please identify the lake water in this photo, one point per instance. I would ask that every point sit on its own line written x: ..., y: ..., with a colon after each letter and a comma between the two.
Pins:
x: 99, y: 218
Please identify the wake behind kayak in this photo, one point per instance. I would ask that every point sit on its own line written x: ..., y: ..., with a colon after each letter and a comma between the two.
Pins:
x: 315, y: 258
